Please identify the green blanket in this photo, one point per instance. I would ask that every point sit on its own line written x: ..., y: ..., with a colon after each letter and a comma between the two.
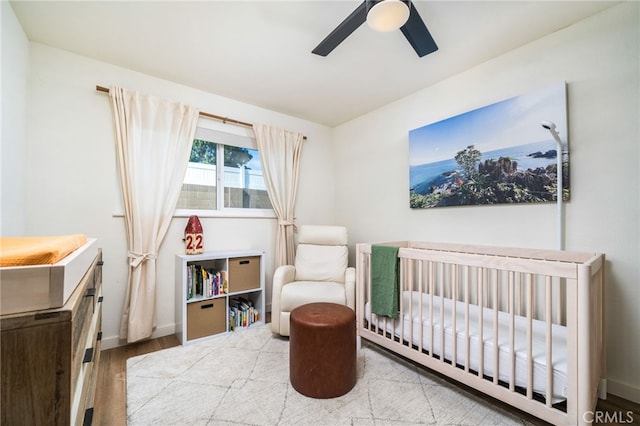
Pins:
x: 385, y: 292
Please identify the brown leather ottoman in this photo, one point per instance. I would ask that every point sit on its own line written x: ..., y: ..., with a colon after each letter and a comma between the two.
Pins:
x: 322, y: 349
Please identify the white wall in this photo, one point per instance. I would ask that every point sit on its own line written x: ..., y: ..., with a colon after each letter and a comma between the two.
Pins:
x: 15, y: 65
x: 598, y: 58
x: 71, y: 172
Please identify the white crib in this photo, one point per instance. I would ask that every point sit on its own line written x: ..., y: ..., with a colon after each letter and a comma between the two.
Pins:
x: 521, y: 325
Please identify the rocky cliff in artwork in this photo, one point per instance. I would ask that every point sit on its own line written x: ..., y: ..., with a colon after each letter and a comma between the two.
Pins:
x: 495, y: 181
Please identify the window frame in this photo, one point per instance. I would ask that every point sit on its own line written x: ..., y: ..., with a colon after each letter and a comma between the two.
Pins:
x: 225, y: 135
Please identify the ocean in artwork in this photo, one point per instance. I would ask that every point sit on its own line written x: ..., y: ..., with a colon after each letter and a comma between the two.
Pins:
x: 423, y: 177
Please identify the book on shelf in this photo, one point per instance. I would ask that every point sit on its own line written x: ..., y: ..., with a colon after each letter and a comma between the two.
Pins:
x: 242, y: 313
x: 205, y: 282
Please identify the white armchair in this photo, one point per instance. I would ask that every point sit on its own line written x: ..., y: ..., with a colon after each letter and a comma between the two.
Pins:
x: 320, y: 274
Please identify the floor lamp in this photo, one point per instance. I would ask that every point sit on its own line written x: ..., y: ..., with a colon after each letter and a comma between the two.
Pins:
x: 551, y: 127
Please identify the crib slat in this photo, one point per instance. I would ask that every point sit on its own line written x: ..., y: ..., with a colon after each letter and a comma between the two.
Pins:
x: 402, y: 277
x: 481, y: 275
x: 466, y: 321
x: 496, y: 348
x: 549, y: 339
x: 420, y: 310
x: 366, y: 266
x: 454, y: 314
x: 487, y: 289
x: 406, y: 281
x: 517, y: 296
x: 373, y: 326
x: 441, y: 268
x: 557, y: 299
x: 431, y: 290
x: 529, y: 336
x: 512, y: 330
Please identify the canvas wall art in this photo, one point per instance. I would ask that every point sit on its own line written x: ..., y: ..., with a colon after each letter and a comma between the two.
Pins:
x: 496, y: 154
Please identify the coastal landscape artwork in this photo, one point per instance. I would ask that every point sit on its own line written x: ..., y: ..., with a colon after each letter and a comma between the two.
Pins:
x: 496, y: 154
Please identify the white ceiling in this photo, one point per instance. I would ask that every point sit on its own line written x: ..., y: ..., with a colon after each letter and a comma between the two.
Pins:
x: 259, y: 52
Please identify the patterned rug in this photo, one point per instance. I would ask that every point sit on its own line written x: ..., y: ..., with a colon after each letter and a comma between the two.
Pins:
x: 242, y: 378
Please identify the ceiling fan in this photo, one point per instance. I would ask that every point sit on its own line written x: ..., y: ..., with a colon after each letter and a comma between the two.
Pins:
x: 383, y: 15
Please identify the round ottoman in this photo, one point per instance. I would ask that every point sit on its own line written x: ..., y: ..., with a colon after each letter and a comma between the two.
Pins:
x: 322, y: 349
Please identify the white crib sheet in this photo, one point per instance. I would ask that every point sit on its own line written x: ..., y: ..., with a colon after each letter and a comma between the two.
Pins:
x: 559, y: 347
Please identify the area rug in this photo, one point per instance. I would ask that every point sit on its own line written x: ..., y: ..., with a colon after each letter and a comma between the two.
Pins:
x: 242, y: 378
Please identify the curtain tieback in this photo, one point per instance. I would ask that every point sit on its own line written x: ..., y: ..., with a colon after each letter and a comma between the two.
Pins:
x: 137, y: 258
x: 286, y: 223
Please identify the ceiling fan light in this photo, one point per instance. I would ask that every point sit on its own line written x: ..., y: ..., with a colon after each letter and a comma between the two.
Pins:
x: 388, y: 15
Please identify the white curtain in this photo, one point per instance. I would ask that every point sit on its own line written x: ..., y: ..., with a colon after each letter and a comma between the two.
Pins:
x: 280, y: 157
x: 153, y: 144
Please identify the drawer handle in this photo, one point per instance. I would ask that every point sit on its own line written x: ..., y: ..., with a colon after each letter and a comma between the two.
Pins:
x: 100, y: 299
x: 88, y: 417
x: 90, y: 292
x: 100, y: 263
x: 207, y: 306
x: 244, y: 262
x: 88, y: 356
x: 99, y: 336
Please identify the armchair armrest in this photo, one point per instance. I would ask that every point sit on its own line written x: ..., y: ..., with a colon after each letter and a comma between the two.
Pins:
x: 350, y: 287
x: 281, y: 277
x: 284, y: 274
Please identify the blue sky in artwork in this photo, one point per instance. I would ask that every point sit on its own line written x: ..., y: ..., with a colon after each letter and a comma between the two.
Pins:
x: 512, y: 122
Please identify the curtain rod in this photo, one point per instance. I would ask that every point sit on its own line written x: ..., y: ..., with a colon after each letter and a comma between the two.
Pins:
x: 206, y: 114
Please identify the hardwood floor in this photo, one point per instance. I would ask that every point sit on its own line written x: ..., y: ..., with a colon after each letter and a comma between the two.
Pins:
x: 110, y: 407
x: 111, y: 400
x: 628, y: 412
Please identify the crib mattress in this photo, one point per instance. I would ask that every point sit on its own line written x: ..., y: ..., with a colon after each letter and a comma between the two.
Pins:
x: 46, y: 285
x: 413, y: 325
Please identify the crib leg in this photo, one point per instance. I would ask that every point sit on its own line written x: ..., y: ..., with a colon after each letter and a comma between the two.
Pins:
x: 602, y: 391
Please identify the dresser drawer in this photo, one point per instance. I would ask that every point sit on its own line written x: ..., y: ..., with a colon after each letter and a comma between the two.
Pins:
x: 86, y: 380
x: 93, y: 380
x: 35, y: 367
x: 83, y: 320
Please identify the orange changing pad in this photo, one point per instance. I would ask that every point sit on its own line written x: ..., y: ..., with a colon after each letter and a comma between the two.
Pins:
x: 23, y: 251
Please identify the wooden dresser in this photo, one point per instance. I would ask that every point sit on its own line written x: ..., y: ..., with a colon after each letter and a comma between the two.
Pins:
x: 49, y: 358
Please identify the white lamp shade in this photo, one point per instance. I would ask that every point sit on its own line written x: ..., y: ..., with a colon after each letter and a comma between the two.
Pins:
x: 388, y: 15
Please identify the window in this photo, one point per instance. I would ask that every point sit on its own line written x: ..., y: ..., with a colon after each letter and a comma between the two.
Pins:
x: 199, y: 189
x: 227, y: 161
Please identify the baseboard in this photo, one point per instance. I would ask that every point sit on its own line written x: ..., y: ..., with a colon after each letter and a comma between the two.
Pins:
x: 624, y: 390
x: 115, y: 341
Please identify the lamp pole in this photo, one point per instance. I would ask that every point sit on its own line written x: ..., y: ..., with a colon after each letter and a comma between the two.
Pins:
x: 559, y: 174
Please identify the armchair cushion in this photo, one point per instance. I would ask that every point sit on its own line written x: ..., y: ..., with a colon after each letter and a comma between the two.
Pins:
x: 305, y: 291
x: 321, y: 263
x: 323, y: 235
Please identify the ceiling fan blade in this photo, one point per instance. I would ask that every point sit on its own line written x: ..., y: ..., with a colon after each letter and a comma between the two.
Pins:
x: 417, y: 33
x: 342, y: 31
